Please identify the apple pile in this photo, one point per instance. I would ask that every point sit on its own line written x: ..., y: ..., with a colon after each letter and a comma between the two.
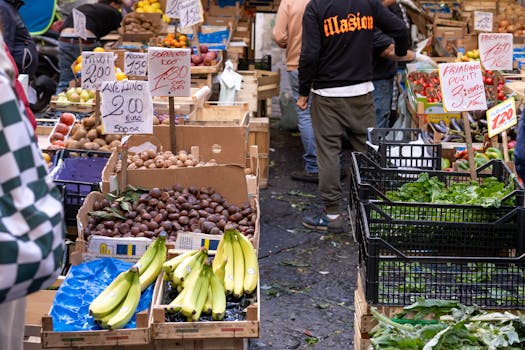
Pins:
x: 206, y: 58
x: 77, y: 96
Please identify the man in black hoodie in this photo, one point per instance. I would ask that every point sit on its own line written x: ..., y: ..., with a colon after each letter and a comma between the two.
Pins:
x: 336, y: 66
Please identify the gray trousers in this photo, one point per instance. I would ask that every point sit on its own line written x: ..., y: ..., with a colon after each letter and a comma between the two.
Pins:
x: 331, y: 118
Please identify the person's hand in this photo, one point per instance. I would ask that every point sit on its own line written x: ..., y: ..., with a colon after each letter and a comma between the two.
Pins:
x: 302, y: 102
x: 389, y: 52
x: 425, y: 59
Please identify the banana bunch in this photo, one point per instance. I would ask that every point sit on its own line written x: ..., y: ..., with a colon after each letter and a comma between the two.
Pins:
x: 200, y: 290
x: 114, y: 307
x: 236, y: 263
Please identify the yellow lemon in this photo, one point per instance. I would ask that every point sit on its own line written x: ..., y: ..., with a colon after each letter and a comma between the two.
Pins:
x: 120, y: 76
x: 166, y: 18
x: 139, y: 10
x: 140, y: 4
x: 47, y: 157
x: 155, y: 5
x: 79, y: 59
x: 78, y: 68
x: 99, y: 49
x: 158, y: 11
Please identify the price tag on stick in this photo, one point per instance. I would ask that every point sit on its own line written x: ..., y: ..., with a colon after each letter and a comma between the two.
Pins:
x: 79, y: 23
x: 169, y: 72
x: 495, y: 50
x: 136, y: 63
x: 97, y: 67
x: 501, y: 117
x: 462, y: 86
x: 127, y: 107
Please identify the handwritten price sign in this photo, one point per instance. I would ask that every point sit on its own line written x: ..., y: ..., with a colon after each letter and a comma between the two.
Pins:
x: 462, y: 86
x: 495, y: 50
x: 189, y: 12
x: 127, y: 107
x: 169, y: 71
x: 136, y: 63
x: 97, y: 67
x: 483, y: 21
x: 501, y: 117
x: 79, y: 23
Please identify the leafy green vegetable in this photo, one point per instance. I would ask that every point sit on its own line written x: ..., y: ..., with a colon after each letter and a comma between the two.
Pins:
x: 426, y: 189
x: 459, y: 327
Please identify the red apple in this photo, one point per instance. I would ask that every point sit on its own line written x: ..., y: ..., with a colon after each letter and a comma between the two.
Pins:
x: 196, y: 59
x: 204, y: 48
x: 212, y: 54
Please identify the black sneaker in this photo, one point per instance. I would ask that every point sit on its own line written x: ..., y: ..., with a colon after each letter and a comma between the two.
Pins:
x: 323, y: 223
x: 305, y: 176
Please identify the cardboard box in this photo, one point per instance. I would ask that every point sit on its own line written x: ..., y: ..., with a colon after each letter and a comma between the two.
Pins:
x: 154, y: 18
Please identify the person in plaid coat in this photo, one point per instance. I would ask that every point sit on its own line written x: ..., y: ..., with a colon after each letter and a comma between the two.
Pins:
x: 32, y: 223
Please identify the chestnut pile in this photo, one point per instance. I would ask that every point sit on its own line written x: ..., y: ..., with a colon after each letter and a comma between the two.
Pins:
x: 145, y: 214
x: 149, y: 159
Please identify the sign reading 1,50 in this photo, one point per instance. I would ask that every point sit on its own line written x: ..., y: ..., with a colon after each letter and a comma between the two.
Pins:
x: 137, y: 65
x: 134, y: 105
x: 502, y: 118
x: 94, y: 72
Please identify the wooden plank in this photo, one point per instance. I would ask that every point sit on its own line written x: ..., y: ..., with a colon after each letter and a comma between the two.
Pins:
x: 205, y: 344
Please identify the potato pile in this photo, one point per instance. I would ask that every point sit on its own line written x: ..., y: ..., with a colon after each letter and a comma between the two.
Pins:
x: 177, y: 209
x: 87, y: 135
x: 149, y: 159
x: 138, y: 23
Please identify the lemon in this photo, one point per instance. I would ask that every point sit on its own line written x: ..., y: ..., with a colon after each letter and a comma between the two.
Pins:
x: 140, y: 4
x: 77, y: 68
x: 120, y: 76
x: 79, y: 59
x: 140, y: 10
x: 99, y: 49
x: 155, y: 5
x: 47, y: 157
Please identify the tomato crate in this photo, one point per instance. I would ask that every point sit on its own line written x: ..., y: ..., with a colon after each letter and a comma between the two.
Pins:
x: 78, y: 172
x: 402, y: 148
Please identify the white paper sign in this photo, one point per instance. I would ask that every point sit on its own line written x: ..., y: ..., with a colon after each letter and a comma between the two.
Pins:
x: 79, y: 23
x: 501, y: 117
x: 462, y: 86
x: 495, y: 50
x: 169, y: 72
x: 135, y: 63
x: 97, y: 67
x: 127, y: 107
x: 172, y: 9
x: 190, y: 12
x: 483, y: 21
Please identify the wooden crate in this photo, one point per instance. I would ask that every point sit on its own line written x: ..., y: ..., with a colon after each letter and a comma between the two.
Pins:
x: 259, y: 135
x: 202, y: 335
x: 257, y: 88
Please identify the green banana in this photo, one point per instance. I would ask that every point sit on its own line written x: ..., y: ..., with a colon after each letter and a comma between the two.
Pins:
x: 103, y: 321
x: 171, y: 264
x: 146, y: 258
x: 152, y: 272
x: 129, y: 305
x: 251, y: 264
x: 176, y: 303
x: 203, y: 293
x: 190, y: 297
x: 218, y: 308
x: 206, y: 309
x: 238, y: 267
x: 219, y: 254
x: 189, y: 279
x: 110, y: 297
x: 221, y: 270
x: 185, y: 267
x: 229, y: 268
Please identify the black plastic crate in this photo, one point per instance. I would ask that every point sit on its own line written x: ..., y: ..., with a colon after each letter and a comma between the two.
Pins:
x: 371, y: 181
x: 393, y: 278
x: 79, y: 173
x: 397, y: 148
x: 265, y: 63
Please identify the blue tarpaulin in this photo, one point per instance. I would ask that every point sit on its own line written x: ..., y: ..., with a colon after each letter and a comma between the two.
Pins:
x: 83, y: 283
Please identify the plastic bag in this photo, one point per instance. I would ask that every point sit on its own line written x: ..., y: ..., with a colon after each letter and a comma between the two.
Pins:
x: 288, y: 119
x: 83, y: 283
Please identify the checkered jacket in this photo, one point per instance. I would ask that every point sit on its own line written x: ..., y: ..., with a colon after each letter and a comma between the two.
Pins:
x: 31, y: 214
